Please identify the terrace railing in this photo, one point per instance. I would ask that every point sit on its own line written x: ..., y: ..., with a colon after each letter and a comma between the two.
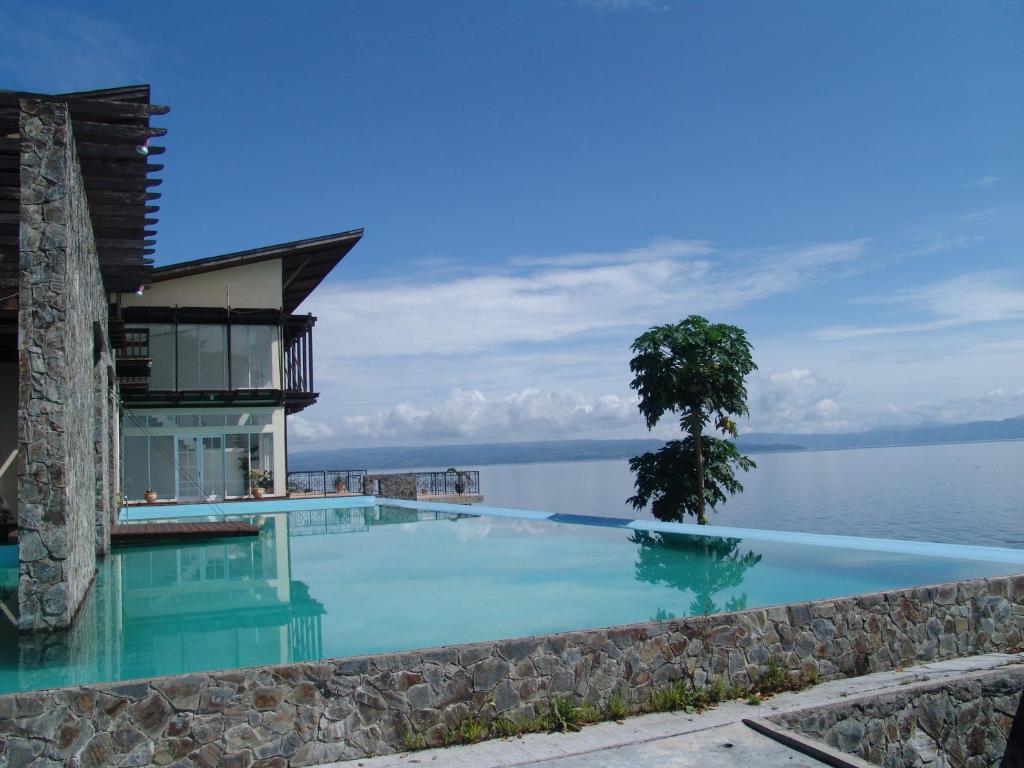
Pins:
x: 458, y: 483
x: 324, y: 481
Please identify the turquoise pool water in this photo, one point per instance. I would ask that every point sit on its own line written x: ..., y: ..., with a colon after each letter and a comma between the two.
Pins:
x: 361, y: 577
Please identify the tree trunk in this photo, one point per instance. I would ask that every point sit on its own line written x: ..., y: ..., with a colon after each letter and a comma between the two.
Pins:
x: 696, y: 427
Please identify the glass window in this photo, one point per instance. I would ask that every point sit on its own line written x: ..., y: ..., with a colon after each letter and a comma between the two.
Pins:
x: 161, y: 466
x: 236, y: 464
x: 202, y: 357
x: 148, y: 464
x: 266, y: 451
x: 136, y: 467
x: 252, y: 356
x: 212, y: 420
x: 161, y: 351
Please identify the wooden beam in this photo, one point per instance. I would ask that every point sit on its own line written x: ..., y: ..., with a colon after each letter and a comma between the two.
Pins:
x: 118, y: 134
x: 102, y: 196
x: 122, y: 244
x: 101, y: 109
x: 119, y: 222
x: 114, y: 184
x: 122, y: 233
x: 94, y: 151
x: 123, y: 212
x: 133, y: 168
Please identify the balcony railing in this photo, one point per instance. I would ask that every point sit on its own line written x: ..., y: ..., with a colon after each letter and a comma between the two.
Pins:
x: 451, y: 482
x: 324, y: 481
x: 132, y: 361
x: 298, y: 362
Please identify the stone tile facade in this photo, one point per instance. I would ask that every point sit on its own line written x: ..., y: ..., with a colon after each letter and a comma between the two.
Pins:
x: 61, y: 301
x: 309, y: 713
x: 962, y: 723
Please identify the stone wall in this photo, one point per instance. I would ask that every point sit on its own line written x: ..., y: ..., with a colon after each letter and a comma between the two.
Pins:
x: 308, y: 713
x: 61, y: 296
x: 396, y: 486
x: 961, y: 723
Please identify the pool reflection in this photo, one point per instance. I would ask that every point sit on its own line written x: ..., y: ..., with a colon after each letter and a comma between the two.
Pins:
x: 701, y: 564
x: 177, y: 608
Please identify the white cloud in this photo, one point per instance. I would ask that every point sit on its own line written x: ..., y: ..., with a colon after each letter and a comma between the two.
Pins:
x: 982, y: 182
x: 301, y: 430
x: 565, y: 297
x: 469, y: 415
x: 981, y: 297
x: 796, y: 400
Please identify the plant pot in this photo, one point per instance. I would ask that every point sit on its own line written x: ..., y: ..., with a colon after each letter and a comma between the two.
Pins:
x: 257, y: 493
x: 339, y: 488
x: 150, y: 497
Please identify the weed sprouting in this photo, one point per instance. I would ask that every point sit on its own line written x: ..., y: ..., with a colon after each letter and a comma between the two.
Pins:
x: 502, y: 726
x: 563, y: 714
x: 413, y: 741
x: 616, y: 707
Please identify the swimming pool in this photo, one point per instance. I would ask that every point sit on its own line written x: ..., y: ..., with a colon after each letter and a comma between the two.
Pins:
x: 329, y: 578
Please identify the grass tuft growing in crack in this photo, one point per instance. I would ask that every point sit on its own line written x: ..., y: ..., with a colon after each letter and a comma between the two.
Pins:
x: 565, y: 714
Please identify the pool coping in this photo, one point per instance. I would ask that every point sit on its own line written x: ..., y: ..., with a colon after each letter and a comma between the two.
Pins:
x: 1006, y: 555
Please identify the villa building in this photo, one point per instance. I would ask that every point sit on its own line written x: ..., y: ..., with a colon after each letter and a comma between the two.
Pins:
x: 214, y: 360
x: 176, y: 379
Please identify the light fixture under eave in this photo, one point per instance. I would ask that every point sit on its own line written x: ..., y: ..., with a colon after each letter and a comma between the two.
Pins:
x: 140, y: 290
x: 143, y: 148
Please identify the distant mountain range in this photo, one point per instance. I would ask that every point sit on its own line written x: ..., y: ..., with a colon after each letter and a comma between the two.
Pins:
x: 968, y: 432
x: 480, y: 454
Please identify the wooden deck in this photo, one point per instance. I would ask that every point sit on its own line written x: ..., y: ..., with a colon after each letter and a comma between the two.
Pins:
x: 135, y: 532
x: 144, y: 532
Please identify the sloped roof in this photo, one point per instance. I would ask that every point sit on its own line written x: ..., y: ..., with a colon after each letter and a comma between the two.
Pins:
x: 304, y: 263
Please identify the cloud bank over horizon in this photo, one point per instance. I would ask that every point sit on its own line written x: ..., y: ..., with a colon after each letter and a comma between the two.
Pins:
x: 538, y: 347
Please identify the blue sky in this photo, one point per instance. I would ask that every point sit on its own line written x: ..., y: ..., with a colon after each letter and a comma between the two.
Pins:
x: 541, y: 181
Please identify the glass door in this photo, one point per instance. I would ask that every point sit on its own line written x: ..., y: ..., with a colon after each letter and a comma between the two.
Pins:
x: 213, y: 468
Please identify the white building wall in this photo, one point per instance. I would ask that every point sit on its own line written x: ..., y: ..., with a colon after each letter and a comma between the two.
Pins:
x: 255, y: 286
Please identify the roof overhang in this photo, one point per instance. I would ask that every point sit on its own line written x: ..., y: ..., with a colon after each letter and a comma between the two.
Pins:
x: 109, y: 126
x: 304, y: 264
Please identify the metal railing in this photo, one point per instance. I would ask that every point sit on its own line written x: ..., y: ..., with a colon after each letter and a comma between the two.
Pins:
x: 324, y: 481
x: 457, y: 482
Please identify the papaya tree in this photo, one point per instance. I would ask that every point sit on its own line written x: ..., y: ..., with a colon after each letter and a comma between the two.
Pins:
x: 696, y: 371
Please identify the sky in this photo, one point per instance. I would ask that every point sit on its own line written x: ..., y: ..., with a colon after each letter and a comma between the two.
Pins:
x: 540, y: 182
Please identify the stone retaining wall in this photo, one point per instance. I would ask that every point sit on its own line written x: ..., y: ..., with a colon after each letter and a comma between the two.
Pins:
x: 966, y: 722
x: 394, y: 486
x: 304, y: 714
x: 63, y: 353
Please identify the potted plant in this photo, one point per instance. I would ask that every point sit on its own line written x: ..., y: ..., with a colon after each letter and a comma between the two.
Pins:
x: 339, y: 485
x: 150, y: 496
x: 259, y: 481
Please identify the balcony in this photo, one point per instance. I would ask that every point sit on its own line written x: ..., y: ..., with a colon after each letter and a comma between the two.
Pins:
x: 216, y: 357
x: 132, y: 362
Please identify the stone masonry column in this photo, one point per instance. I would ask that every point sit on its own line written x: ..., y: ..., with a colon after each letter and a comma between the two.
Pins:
x: 101, y: 454
x: 61, y: 300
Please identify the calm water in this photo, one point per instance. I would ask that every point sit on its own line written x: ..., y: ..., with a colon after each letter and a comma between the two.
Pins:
x: 322, y: 583
x: 970, y: 493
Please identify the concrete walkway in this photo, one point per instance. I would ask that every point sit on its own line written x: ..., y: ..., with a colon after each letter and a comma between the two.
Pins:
x: 717, y: 737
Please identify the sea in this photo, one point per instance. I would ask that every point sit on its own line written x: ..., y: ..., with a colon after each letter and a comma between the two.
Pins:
x: 968, y: 493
